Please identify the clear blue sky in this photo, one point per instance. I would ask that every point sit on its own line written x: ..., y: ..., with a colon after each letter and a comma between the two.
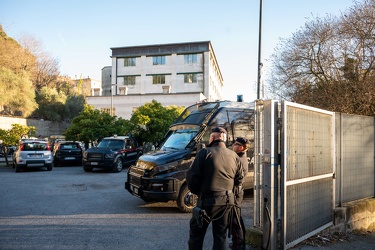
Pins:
x: 80, y: 33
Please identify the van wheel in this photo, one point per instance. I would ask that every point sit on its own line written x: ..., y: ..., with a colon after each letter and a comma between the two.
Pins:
x: 118, y: 166
x: 186, y: 200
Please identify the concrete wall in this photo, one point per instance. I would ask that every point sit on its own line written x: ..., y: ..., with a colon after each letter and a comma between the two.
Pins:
x: 124, y: 105
x: 355, y: 216
x: 43, y: 128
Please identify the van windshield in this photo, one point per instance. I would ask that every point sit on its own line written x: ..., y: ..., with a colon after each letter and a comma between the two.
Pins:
x: 179, y: 139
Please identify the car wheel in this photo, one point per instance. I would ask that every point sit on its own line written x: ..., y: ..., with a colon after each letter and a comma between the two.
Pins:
x: 49, y: 167
x: 186, y: 200
x: 87, y: 169
x: 118, y: 166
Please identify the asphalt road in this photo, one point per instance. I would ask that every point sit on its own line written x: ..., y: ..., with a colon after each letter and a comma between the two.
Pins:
x: 67, y: 208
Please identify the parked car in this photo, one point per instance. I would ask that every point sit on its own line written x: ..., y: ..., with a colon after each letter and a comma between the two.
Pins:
x: 67, y: 152
x: 112, y: 153
x: 33, y: 154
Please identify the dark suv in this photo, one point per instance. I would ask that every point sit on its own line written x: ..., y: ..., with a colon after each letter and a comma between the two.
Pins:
x: 66, y: 152
x: 112, y: 153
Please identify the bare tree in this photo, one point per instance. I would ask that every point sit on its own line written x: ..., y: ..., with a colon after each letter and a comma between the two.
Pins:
x: 330, y: 62
x: 47, y: 71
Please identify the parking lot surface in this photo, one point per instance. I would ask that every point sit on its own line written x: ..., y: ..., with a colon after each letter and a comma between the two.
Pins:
x: 67, y: 208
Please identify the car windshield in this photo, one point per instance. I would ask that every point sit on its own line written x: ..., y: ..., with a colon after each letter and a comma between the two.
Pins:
x: 34, y: 146
x: 114, y: 144
x: 179, y: 139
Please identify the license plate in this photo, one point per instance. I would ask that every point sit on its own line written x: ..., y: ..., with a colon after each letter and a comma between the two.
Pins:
x: 36, y: 156
x: 69, y: 158
x: 135, y: 190
x: 94, y: 163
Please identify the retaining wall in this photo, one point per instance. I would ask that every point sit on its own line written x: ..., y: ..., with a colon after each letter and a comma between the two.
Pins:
x: 43, y: 128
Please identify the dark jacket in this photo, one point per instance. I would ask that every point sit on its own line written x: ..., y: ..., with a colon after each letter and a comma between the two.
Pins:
x: 244, y: 161
x: 214, y: 169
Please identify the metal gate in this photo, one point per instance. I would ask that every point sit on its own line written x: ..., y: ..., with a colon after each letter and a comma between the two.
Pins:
x: 307, y: 171
x: 296, y: 164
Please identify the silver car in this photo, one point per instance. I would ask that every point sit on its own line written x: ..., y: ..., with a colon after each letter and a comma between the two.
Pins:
x: 33, y: 154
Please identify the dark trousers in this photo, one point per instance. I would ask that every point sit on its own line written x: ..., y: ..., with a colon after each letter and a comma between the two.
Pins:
x: 238, y: 230
x: 219, y: 215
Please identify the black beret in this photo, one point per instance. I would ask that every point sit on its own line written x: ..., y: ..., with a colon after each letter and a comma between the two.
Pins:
x: 219, y: 130
x: 242, y: 140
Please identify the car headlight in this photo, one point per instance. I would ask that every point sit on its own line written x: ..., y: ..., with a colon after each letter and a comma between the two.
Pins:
x: 165, y: 167
x: 109, y: 156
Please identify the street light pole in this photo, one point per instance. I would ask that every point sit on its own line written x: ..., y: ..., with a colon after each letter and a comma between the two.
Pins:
x: 111, y: 112
x: 259, y: 51
x: 111, y: 100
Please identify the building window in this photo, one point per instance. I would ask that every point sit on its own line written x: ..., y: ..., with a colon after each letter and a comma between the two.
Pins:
x: 190, y: 78
x: 123, y: 90
x: 129, y: 80
x: 158, y: 79
x: 158, y: 60
x: 128, y: 62
x: 96, y: 92
x: 190, y: 58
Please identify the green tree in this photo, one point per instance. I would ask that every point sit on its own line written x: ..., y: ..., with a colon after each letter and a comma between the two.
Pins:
x: 12, y: 136
x: 92, y: 125
x: 73, y: 106
x: 51, y: 104
x: 55, y: 105
x: 32, y: 76
x: 17, y: 93
x: 151, y: 121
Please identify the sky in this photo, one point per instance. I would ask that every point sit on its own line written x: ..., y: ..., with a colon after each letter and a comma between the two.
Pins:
x: 81, y: 33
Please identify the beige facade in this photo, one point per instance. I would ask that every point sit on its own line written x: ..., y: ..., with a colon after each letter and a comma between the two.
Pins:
x: 88, y: 86
x: 172, y: 74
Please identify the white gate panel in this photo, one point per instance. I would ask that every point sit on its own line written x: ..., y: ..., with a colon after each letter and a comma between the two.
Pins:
x: 307, y: 171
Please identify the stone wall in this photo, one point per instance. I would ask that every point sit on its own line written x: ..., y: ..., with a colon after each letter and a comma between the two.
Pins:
x: 43, y: 128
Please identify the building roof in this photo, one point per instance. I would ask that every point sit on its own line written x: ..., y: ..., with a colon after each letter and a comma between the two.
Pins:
x: 162, y: 49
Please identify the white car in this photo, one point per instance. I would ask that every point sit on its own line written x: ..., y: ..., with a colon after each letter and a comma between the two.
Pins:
x: 33, y: 154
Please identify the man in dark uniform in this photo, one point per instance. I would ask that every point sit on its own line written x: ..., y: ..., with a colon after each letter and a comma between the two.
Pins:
x: 213, y: 175
x: 240, y: 146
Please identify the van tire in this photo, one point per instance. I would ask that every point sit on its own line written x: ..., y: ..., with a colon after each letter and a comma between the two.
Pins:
x: 87, y: 169
x: 181, y: 204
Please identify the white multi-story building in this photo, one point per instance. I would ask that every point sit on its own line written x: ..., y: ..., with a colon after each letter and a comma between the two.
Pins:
x: 178, y: 74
